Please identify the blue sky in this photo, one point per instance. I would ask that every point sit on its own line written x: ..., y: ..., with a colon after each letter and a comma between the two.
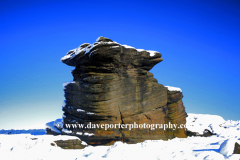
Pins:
x: 199, y: 41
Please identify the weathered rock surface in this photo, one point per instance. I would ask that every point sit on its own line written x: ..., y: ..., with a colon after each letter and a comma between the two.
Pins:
x: 112, y: 85
x: 70, y: 144
x: 176, y: 111
x: 236, y: 148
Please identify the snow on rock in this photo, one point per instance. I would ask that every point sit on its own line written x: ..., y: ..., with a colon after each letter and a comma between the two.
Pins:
x: 85, y: 50
x: 84, y: 143
x: 66, y: 131
x: 126, y: 46
x: 140, y: 50
x: 91, y: 113
x: 51, y: 126
x: 79, y: 133
x: 58, y: 123
x: 171, y: 88
x: 65, y: 84
x: 88, y: 49
x: 88, y: 134
x: 80, y: 110
x: 152, y: 53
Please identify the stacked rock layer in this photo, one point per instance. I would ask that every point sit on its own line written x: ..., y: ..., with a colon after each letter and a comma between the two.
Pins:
x: 112, y: 85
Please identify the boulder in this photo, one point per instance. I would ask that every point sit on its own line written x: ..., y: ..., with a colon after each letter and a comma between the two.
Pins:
x: 206, y: 133
x: 70, y: 144
x: 112, y: 86
x: 236, y: 149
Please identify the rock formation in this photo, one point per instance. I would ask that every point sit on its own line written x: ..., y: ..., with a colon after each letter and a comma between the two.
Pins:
x: 112, y: 85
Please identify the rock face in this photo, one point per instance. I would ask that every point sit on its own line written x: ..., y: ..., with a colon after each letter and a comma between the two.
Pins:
x: 176, y: 111
x: 112, y: 85
x: 236, y: 148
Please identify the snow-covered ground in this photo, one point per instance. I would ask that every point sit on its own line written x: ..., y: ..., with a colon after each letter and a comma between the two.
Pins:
x: 218, y: 147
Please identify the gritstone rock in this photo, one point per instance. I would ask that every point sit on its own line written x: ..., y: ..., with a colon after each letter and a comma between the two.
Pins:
x: 236, y: 148
x: 112, y: 85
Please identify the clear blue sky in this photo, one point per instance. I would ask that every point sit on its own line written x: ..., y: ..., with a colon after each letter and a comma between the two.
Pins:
x: 199, y: 41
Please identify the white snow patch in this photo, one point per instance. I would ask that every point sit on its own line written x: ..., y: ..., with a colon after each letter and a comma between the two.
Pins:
x: 84, y: 143
x: 126, y: 46
x: 79, y: 133
x: 66, y: 131
x: 230, y: 123
x: 114, y: 46
x: 58, y: 123
x: 140, y: 50
x: 98, y: 39
x: 80, y: 110
x: 199, y: 122
x: 88, y: 134
x: 152, y: 53
x: 85, y: 50
x: 90, y: 113
x: 171, y: 88
x: 65, y: 84
x: 51, y: 126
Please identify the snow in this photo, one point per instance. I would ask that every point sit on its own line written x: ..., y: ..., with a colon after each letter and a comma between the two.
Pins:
x: 216, y: 147
x: 140, y: 50
x: 85, y: 50
x: 52, y: 127
x: 58, y: 123
x: 88, y: 134
x: 114, y: 46
x: 98, y: 39
x: 91, y: 113
x: 227, y: 147
x: 65, y: 84
x: 79, y: 133
x: 80, y: 110
x: 199, y: 122
x: 66, y: 131
x: 84, y: 143
x: 171, y: 88
x: 152, y: 53
x: 126, y: 46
